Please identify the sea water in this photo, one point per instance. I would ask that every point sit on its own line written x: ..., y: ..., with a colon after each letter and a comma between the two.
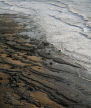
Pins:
x: 67, y: 24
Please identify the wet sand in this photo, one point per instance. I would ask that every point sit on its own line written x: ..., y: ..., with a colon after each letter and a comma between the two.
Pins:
x: 34, y: 74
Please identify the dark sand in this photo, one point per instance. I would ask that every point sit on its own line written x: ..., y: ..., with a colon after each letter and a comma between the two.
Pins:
x: 32, y: 77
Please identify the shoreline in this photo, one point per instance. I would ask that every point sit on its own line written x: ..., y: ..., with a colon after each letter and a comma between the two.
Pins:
x: 32, y: 69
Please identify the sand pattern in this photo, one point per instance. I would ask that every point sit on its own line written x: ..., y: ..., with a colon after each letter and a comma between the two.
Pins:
x: 31, y: 77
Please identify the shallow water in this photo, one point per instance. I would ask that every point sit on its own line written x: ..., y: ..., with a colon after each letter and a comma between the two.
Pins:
x: 67, y: 23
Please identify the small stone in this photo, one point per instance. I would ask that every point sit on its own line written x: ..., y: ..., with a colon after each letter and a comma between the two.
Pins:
x: 51, y: 63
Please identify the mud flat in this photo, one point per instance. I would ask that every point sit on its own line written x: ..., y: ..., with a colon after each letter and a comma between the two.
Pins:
x: 34, y: 74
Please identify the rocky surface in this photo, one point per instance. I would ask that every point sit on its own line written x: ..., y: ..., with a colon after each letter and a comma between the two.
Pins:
x: 33, y: 74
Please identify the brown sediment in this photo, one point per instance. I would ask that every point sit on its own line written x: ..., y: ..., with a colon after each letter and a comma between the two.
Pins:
x: 5, y: 66
x: 4, y: 81
x: 2, y: 101
x: 39, y: 69
x: 15, y: 61
x: 43, y: 98
x: 3, y: 78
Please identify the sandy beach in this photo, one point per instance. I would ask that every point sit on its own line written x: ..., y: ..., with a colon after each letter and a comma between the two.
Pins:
x: 34, y: 74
